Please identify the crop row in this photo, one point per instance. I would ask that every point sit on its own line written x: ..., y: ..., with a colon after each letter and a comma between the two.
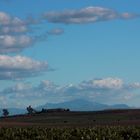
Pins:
x: 95, y: 133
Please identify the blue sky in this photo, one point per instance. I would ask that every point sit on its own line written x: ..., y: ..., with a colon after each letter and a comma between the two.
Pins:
x: 49, y: 48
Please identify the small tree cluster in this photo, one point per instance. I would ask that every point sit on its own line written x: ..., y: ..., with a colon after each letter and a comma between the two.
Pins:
x: 5, y: 112
x: 30, y: 110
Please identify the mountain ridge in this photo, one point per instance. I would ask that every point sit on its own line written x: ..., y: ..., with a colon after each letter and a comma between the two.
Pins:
x: 83, y: 105
x: 73, y: 105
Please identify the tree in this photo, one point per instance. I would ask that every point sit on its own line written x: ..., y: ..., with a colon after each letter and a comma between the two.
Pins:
x: 30, y: 110
x: 43, y: 110
x: 5, y: 112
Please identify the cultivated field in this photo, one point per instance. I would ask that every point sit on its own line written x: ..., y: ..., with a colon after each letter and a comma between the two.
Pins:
x: 74, y: 119
x: 100, y: 125
x: 95, y: 133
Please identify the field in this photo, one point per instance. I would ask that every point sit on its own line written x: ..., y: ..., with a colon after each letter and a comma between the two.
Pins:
x: 96, y: 133
x: 100, y: 125
x: 74, y: 119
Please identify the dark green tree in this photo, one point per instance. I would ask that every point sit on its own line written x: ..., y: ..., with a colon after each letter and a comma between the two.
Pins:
x: 5, y: 112
x: 30, y: 110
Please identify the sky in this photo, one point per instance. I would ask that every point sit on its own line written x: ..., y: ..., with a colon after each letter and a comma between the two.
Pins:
x: 55, y: 51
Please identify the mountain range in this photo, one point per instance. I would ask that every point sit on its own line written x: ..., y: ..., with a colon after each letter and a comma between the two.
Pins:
x: 73, y: 105
x: 83, y: 105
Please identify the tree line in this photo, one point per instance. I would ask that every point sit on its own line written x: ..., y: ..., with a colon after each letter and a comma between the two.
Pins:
x: 31, y: 110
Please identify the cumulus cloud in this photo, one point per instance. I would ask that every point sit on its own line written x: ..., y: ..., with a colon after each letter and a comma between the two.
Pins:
x: 17, y: 67
x: 10, y: 24
x: 9, y: 44
x: 18, y: 34
x: 86, y: 15
x: 105, y: 90
x: 107, y: 83
x: 5, y: 19
x: 13, y: 36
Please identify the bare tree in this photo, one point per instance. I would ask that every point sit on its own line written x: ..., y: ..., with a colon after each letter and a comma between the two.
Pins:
x: 5, y: 112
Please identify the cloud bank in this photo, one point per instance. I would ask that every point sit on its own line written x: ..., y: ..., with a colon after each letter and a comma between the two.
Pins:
x: 86, y: 15
x: 105, y: 90
x: 17, y: 34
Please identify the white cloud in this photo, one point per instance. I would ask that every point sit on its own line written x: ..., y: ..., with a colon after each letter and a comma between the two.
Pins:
x: 109, y: 83
x: 5, y: 19
x: 13, y: 29
x: 86, y: 15
x: 18, y: 34
x: 106, y: 90
x: 12, y: 34
x: 11, y: 25
x: 21, y: 87
x: 10, y: 43
x: 135, y: 85
x: 17, y: 67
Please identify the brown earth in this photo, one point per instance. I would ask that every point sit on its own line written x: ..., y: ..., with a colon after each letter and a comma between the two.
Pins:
x: 74, y: 119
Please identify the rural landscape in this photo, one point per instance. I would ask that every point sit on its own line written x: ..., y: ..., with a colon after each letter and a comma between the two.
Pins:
x: 69, y: 70
x: 62, y: 123
x: 65, y: 124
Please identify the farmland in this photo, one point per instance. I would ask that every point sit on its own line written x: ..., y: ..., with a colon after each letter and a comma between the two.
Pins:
x: 95, y: 133
x: 99, y: 125
x: 74, y: 119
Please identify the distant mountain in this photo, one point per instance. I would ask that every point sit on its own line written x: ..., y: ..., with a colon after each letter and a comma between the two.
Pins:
x: 120, y: 106
x: 83, y: 105
x: 74, y: 105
